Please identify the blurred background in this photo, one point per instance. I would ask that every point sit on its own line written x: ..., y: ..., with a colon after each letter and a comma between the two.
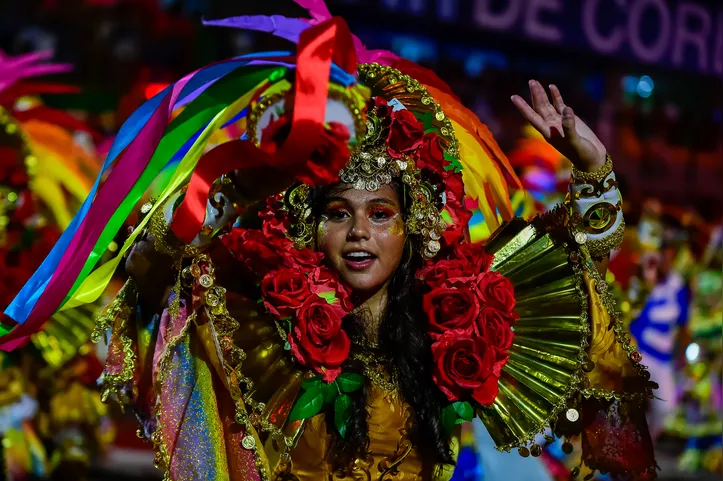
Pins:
x: 646, y: 75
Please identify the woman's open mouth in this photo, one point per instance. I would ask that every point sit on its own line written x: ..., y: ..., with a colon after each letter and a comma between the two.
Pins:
x: 358, y: 260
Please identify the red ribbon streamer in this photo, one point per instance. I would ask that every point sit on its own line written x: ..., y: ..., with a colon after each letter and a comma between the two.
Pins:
x: 318, y: 46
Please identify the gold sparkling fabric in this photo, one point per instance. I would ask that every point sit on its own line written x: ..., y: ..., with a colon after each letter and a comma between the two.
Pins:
x: 391, y: 454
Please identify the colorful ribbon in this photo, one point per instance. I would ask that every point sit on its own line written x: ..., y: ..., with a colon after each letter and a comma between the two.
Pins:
x: 317, y: 47
x: 146, y: 144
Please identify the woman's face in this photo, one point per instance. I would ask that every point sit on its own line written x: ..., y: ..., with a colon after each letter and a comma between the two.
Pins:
x: 362, y: 235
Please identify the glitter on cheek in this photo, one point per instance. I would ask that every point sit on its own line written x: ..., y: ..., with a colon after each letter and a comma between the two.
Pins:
x: 321, y: 230
x: 396, y: 228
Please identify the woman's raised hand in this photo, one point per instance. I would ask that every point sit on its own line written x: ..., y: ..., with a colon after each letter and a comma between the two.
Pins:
x: 561, y: 127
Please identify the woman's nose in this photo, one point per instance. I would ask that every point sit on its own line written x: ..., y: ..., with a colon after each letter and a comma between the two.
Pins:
x: 359, y: 229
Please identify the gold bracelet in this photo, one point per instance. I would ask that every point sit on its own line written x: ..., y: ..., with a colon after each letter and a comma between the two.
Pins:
x: 598, y: 175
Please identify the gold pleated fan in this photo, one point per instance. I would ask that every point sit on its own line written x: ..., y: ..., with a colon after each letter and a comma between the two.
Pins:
x: 65, y: 335
x: 548, y: 353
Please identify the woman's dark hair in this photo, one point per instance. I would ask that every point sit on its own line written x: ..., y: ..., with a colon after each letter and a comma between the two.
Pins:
x: 404, y: 342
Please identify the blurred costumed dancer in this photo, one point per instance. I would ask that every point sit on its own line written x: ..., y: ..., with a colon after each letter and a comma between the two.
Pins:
x: 309, y: 306
x: 698, y: 416
x: 664, y: 297
x: 49, y: 418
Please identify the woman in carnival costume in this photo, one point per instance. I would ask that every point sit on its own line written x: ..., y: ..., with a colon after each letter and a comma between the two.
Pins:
x: 307, y: 305
x: 49, y: 417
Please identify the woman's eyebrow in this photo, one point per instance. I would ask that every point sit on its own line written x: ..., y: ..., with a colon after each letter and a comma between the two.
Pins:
x: 383, y: 200
x: 335, y: 200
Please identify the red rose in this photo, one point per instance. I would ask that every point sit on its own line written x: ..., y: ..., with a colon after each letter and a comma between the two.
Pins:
x: 436, y: 273
x: 323, y: 282
x: 405, y: 134
x: 460, y: 215
x: 381, y: 107
x: 274, y: 219
x: 304, y: 259
x: 497, y: 291
x: 317, y: 339
x: 454, y: 187
x: 329, y: 158
x: 495, y: 327
x: 474, y: 256
x: 463, y: 367
x: 430, y: 155
x: 284, y: 291
x: 451, y: 308
x: 254, y: 249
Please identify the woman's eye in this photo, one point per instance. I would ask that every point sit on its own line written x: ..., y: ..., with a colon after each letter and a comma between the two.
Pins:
x: 381, y: 215
x: 337, y: 215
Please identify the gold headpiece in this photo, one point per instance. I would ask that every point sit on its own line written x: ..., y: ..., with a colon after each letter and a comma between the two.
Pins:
x: 370, y: 166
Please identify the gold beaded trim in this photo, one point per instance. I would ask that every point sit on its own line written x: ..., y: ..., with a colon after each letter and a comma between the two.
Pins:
x: 391, y: 83
x: 375, y: 371
x: 165, y: 242
x: 336, y: 92
x: 602, y: 247
x: 120, y: 312
x: 598, y: 175
x: 622, y: 335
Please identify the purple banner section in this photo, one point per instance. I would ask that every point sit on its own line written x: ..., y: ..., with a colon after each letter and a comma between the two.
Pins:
x: 680, y: 34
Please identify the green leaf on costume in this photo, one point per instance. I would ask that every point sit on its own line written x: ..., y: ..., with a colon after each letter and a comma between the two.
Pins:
x: 331, y: 391
x: 446, y: 217
x: 287, y: 346
x: 448, y: 419
x: 308, y: 405
x: 350, y: 381
x: 454, y: 163
x: 464, y: 410
x: 342, y: 414
x: 426, y: 118
x: 312, y: 383
x: 329, y: 297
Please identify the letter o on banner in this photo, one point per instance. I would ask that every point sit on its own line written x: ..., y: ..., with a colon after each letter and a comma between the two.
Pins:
x: 655, y: 51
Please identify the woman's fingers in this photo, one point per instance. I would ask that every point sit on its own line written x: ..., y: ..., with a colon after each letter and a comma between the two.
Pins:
x: 557, y: 99
x: 540, y: 101
x: 531, y: 115
x: 568, y: 127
